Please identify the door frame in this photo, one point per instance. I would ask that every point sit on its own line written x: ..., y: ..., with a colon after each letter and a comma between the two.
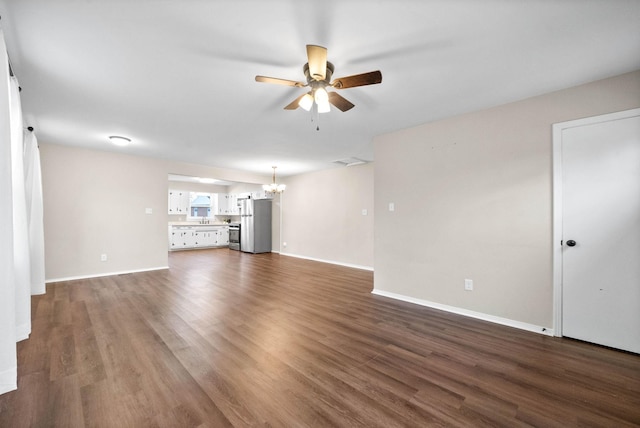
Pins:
x: 557, y: 201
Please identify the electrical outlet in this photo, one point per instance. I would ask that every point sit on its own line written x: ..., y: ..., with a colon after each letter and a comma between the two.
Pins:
x: 103, y: 258
x: 468, y: 284
x: 148, y: 210
x: 364, y: 211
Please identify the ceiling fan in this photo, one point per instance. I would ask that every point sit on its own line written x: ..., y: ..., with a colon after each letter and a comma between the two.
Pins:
x: 318, y: 72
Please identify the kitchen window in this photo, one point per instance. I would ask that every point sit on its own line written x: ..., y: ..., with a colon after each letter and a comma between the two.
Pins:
x: 199, y: 205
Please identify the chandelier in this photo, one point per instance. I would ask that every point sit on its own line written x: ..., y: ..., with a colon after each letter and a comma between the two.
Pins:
x: 274, y: 187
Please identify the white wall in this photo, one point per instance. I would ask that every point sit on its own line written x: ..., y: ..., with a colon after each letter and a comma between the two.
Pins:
x: 322, y: 216
x: 94, y: 203
x: 473, y: 199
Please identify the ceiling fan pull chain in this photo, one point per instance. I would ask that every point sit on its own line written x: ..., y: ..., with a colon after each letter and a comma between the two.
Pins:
x: 315, y: 116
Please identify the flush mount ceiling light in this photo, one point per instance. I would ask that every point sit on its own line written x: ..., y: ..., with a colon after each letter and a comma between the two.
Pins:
x: 274, y: 187
x: 318, y: 72
x: 205, y: 180
x: 119, y: 141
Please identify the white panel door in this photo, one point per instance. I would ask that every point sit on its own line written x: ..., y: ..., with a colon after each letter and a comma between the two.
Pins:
x: 601, y: 232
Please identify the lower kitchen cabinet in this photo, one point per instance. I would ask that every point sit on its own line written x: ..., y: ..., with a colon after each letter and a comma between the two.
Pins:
x: 184, y: 237
x: 181, y: 238
x: 223, y: 236
x: 206, y: 238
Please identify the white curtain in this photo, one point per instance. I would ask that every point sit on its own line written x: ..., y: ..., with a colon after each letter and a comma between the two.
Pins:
x: 8, y: 361
x: 35, y: 214
x: 21, y: 254
x: 21, y: 224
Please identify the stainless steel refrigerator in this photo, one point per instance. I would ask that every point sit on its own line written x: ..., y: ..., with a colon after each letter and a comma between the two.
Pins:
x: 255, y: 225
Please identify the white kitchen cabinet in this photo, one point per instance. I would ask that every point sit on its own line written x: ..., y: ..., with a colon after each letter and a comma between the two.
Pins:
x: 233, y: 204
x: 214, y: 205
x: 223, y: 204
x: 181, y: 238
x: 227, y: 204
x: 262, y: 194
x: 206, y: 237
x: 178, y: 202
x: 189, y: 237
x: 184, y: 237
x: 198, y: 238
x: 223, y: 236
x: 212, y: 239
x: 175, y: 239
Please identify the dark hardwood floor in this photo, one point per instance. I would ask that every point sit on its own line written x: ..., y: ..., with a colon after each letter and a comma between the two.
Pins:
x: 231, y: 339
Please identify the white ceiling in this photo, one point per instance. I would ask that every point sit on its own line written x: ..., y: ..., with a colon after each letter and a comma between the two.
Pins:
x: 177, y: 76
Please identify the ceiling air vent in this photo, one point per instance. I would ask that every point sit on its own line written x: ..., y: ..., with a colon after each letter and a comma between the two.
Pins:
x: 349, y: 161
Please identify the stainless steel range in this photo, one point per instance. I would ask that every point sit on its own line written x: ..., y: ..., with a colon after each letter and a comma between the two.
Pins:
x: 234, y: 236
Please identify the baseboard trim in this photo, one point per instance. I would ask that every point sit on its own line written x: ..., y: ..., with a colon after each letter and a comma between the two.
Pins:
x: 98, y: 275
x: 23, y: 331
x: 369, y: 268
x: 468, y: 313
x: 9, y: 380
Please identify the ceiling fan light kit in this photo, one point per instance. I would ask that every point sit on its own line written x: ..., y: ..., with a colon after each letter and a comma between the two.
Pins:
x: 318, y: 72
x: 306, y: 102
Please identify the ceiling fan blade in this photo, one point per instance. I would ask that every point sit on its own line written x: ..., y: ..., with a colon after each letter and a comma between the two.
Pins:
x: 295, y: 103
x: 371, y: 78
x: 265, y: 79
x: 317, y: 57
x: 340, y: 102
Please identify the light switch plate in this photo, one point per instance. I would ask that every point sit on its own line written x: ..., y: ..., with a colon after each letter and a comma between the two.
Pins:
x: 392, y: 206
x: 468, y: 284
x: 148, y: 210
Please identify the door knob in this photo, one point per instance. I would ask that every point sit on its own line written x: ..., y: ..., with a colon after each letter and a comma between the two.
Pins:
x: 571, y: 243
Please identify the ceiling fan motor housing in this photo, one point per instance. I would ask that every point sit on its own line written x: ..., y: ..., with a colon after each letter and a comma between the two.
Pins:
x: 310, y: 78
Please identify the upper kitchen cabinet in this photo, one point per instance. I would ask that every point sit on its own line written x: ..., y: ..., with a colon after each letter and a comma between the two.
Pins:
x: 262, y: 194
x: 223, y: 204
x: 178, y: 202
x: 227, y: 204
x: 233, y: 204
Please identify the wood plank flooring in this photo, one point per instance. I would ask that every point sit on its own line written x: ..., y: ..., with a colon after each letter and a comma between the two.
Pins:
x: 231, y: 339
